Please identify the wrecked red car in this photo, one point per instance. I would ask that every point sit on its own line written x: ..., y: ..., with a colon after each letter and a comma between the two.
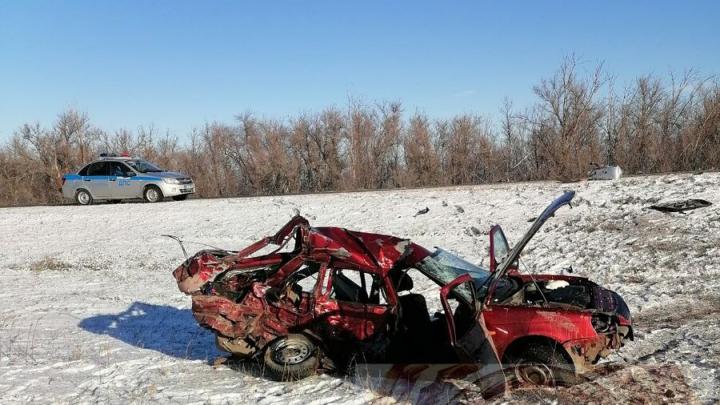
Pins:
x: 325, y: 297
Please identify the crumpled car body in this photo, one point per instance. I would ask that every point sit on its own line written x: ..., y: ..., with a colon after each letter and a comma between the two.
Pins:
x: 578, y: 320
x: 324, y: 297
x: 337, y: 287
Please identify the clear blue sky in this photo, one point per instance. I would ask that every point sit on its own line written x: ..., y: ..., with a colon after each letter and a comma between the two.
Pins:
x: 177, y: 64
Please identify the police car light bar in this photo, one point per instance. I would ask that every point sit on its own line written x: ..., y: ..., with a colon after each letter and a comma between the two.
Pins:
x: 124, y: 155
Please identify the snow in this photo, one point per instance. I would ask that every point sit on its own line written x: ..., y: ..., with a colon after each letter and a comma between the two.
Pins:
x: 89, y: 311
x: 555, y: 284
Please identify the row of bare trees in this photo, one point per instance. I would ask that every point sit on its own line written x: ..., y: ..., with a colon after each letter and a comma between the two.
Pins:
x: 579, y: 119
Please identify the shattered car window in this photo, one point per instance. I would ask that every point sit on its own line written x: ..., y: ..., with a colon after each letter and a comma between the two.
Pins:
x: 306, y: 277
x: 444, y: 267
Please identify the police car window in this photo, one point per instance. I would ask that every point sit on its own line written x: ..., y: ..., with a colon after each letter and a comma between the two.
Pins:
x: 84, y: 170
x: 98, y: 169
x: 126, y: 169
x: 118, y: 169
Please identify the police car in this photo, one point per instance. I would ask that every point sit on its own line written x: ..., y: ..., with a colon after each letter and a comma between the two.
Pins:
x: 117, y: 178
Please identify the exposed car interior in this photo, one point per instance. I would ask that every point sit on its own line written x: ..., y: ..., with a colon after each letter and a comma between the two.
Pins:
x: 575, y: 294
x: 420, y: 332
x: 357, y: 286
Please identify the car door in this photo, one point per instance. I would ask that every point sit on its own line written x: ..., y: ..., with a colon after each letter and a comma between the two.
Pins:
x: 96, y: 180
x: 465, y: 325
x: 354, y: 304
x: 468, y: 335
x: 122, y: 182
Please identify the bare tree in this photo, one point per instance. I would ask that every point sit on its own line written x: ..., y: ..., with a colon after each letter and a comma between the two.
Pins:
x: 422, y: 165
x: 566, y: 121
x: 653, y: 125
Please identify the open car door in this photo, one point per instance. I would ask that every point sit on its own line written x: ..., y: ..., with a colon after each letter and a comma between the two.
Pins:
x: 469, y: 336
x: 465, y: 334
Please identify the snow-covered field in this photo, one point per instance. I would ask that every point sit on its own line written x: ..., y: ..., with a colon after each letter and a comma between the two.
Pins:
x: 89, y: 311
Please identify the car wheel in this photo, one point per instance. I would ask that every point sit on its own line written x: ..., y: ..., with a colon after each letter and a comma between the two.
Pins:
x: 83, y: 197
x: 292, y: 358
x: 182, y: 197
x: 542, y: 365
x: 153, y: 194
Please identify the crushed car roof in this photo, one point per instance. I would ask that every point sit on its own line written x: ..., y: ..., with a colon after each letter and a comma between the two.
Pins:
x: 360, y: 249
x: 350, y: 249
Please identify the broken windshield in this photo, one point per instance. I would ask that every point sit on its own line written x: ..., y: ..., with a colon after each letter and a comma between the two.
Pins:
x: 444, y: 267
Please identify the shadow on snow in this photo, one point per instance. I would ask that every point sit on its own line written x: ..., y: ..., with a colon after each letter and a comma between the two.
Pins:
x: 162, y: 328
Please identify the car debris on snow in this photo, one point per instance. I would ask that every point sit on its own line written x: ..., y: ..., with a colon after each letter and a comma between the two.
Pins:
x: 681, y: 206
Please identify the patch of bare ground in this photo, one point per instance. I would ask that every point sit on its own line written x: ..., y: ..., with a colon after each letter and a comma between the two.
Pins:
x: 642, y: 384
x: 679, y: 313
x: 49, y: 263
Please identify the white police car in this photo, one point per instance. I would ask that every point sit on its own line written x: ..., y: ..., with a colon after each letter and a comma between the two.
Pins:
x: 122, y: 177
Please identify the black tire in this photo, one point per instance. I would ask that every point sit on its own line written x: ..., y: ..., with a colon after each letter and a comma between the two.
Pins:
x: 83, y: 197
x: 181, y: 197
x: 291, y: 358
x: 541, y: 364
x: 152, y: 194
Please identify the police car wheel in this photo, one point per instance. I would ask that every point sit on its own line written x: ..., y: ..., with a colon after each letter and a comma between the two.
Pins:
x: 153, y: 194
x: 83, y: 197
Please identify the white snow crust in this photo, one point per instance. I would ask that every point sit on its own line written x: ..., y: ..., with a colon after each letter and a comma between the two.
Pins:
x: 90, y: 313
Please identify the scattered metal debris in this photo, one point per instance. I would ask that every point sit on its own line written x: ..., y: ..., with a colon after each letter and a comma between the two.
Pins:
x: 681, y: 206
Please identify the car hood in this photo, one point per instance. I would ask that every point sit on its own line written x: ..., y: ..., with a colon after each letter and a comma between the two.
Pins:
x: 503, y: 267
